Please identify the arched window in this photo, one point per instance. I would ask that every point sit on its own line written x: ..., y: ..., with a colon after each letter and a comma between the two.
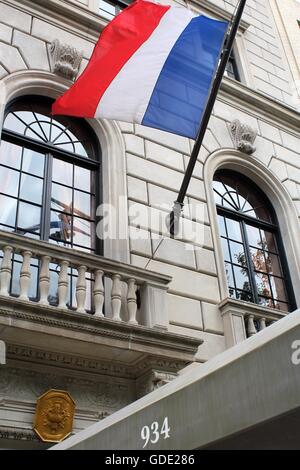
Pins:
x: 254, y: 258
x: 48, y: 175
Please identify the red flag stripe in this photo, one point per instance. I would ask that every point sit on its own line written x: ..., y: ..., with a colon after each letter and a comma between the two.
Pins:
x: 118, y: 42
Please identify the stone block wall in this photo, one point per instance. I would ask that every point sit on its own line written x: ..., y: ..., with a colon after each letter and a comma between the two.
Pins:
x: 156, y: 161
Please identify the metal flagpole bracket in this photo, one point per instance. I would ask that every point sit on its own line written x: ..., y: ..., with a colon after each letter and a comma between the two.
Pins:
x: 174, y: 216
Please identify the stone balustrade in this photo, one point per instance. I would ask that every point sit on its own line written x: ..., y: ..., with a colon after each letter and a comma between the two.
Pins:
x: 243, y: 319
x: 118, y: 291
x: 257, y: 322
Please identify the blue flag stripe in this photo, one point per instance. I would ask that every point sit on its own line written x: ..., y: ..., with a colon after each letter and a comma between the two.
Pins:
x: 181, y: 91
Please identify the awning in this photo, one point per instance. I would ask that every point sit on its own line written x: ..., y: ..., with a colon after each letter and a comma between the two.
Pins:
x: 245, y: 398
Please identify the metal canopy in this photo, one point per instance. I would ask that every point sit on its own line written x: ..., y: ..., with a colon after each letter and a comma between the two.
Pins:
x: 247, y: 397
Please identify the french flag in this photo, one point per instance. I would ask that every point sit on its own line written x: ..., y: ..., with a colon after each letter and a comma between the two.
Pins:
x: 153, y: 65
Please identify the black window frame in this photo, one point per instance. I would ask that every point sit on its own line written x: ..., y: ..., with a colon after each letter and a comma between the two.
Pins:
x: 91, y: 162
x: 260, y: 224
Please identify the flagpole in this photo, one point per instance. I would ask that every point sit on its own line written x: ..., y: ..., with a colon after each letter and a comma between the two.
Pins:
x: 178, y: 204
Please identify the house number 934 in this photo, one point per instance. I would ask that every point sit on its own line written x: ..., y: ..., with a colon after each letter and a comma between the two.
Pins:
x: 155, y: 432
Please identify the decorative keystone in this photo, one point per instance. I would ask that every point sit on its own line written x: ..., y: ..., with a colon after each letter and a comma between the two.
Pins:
x: 66, y: 60
x: 243, y: 136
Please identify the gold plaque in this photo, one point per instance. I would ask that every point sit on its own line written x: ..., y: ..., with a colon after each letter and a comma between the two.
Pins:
x: 54, y: 416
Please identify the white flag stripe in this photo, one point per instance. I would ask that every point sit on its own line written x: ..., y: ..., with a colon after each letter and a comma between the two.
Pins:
x: 127, y: 97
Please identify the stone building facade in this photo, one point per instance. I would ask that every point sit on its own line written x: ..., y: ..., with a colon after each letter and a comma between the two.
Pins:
x: 287, y: 17
x: 158, y: 304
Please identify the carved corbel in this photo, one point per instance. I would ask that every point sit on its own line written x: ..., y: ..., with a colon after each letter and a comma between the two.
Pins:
x: 65, y: 59
x: 243, y: 136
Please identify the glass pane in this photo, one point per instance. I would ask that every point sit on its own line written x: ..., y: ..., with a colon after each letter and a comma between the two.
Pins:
x: 61, y: 198
x: 262, y: 284
x: 45, y: 125
x: 241, y: 195
x: 7, y: 229
x: 35, y: 132
x: 225, y: 249
x: 241, y: 278
x: 268, y: 241
x: 229, y: 275
x: 82, y: 232
x: 33, y: 162
x: 234, y: 230
x: 14, y: 124
x: 9, y: 181
x: 106, y: 9
x: 8, y: 210
x: 79, y: 149
x: 253, y: 236
x: 244, y: 295
x: 265, y: 302
x: 83, y: 204
x: 29, y: 217
x: 273, y: 264
x: 60, y: 226
x: 283, y: 307
x: 83, y: 179
x: 67, y: 146
x: 258, y: 259
x: 10, y: 154
x: 62, y: 172
x: 237, y: 253
x: 31, y: 188
x: 278, y: 288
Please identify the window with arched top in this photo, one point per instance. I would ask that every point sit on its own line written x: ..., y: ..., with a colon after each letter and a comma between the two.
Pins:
x: 49, y: 171
x: 255, y: 263
x: 48, y: 175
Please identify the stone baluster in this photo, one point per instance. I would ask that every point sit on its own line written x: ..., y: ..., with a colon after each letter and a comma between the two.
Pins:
x: 251, y: 329
x: 262, y: 324
x: 116, y: 294
x: 25, y: 275
x: 5, y: 272
x: 63, y: 282
x: 44, y: 280
x: 99, y: 293
x: 81, y: 289
x: 131, y: 301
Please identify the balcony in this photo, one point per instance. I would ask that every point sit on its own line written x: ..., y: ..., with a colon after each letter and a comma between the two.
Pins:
x: 74, y: 303
x: 244, y: 319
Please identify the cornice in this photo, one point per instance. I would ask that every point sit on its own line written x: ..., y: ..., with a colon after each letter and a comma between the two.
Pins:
x: 18, y: 434
x: 134, y: 335
x: 26, y: 354
x: 259, y: 105
x: 83, y: 21
x: 78, y: 19
x: 217, y: 11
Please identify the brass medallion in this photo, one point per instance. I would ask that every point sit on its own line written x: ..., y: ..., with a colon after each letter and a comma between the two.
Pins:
x: 54, y: 416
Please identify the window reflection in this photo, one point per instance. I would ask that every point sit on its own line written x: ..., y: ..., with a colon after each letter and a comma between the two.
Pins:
x: 9, y: 181
x: 8, y: 210
x: 48, y: 171
x: 248, y: 234
x: 31, y: 188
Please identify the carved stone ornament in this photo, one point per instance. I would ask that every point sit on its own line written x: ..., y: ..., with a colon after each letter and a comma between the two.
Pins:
x: 243, y: 136
x: 54, y: 416
x: 66, y: 60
